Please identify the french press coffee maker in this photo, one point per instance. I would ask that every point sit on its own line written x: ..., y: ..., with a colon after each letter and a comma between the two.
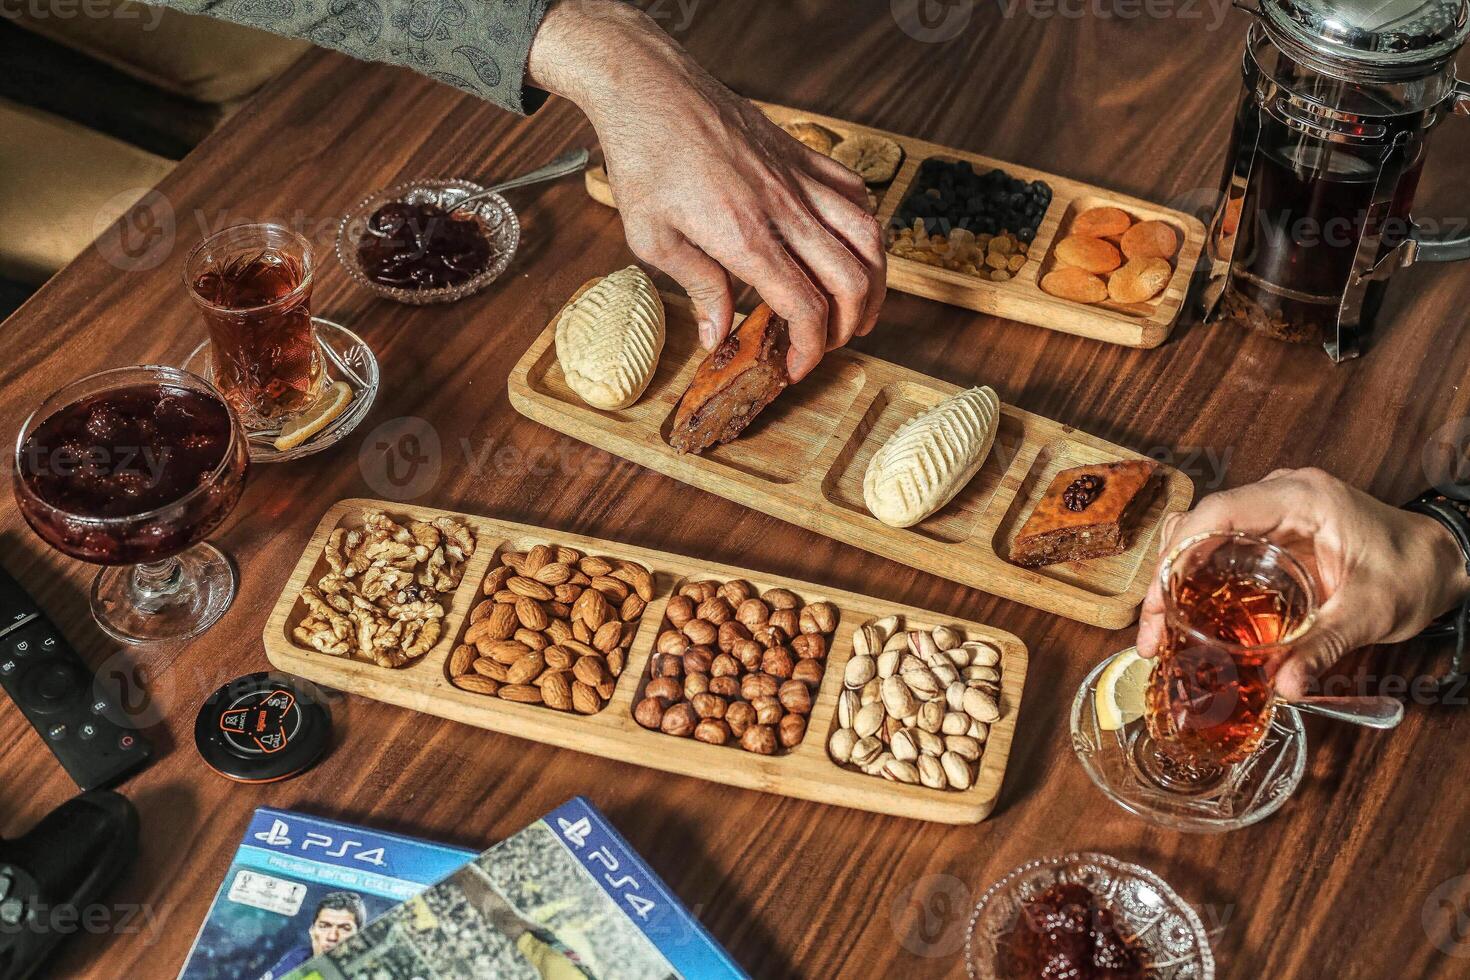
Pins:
x: 1329, y: 142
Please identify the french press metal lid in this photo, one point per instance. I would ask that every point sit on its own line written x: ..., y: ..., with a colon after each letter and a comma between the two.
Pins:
x: 1339, y: 98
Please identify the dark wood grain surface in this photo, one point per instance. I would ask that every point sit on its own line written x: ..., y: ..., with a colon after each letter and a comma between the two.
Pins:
x: 1349, y: 880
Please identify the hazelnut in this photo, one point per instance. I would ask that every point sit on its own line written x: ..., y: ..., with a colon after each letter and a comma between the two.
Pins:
x: 695, y: 684
x: 701, y: 631
x: 679, y: 720
x: 824, y: 614
x: 672, y: 641
x: 754, y: 686
x: 795, y: 696
x: 724, y: 666
x: 749, y: 653
x: 736, y: 592
x: 664, y: 687
x: 778, y: 662
x: 713, y: 731
x: 787, y: 621
x: 782, y: 599
x: 752, y: 612
x: 808, y: 672
x: 725, y: 687
x: 731, y: 632
x: 697, y: 660
x: 650, y: 712
x: 760, y: 739
x: 666, y: 665
x: 792, y: 730
x: 680, y: 610
x: 715, y: 611
x: 739, y: 716
x: 809, y: 646
x: 769, y: 635
x: 708, y: 705
x: 700, y: 591
x: 767, y: 711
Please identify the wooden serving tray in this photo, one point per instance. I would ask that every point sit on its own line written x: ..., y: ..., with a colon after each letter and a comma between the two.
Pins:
x: 805, y: 772
x: 1020, y: 298
x: 803, y: 460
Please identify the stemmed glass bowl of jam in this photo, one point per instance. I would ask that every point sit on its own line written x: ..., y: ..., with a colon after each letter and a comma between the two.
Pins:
x: 132, y: 469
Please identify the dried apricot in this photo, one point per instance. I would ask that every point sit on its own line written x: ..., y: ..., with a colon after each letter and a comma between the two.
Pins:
x: 1140, y: 280
x: 1150, y: 239
x: 1092, y: 254
x: 1078, y: 285
x: 1101, y: 222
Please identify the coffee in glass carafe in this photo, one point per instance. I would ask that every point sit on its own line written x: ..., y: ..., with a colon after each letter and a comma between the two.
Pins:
x: 1326, y: 154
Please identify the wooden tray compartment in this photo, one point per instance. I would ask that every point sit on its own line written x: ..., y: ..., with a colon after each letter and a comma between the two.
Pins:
x: 1020, y: 298
x: 805, y: 772
x: 803, y: 460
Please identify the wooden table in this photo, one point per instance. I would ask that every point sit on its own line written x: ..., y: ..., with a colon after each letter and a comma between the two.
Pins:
x: 1338, y: 884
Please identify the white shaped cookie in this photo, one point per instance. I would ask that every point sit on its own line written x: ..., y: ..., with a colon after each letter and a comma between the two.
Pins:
x: 931, y: 457
x: 609, y: 340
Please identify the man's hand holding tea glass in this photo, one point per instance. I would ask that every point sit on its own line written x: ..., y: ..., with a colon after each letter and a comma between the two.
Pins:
x: 1383, y: 574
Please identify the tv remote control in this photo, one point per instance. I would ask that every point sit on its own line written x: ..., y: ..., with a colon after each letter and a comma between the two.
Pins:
x: 54, y: 689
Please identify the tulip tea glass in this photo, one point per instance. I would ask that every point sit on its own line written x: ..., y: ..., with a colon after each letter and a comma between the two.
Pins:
x: 1214, y: 749
x: 131, y: 469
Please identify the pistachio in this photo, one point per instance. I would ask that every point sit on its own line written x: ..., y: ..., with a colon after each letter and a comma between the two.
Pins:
x: 981, y: 706
x: 946, y: 673
x: 866, y: 750
x: 931, y: 716
x: 947, y: 637
x: 963, y: 746
x: 888, y: 663
x: 871, y: 690
x: 976, y: 674
x: 841, y: 744
x: 921, y: 643
x: 848, y: 704
x: 959, y: 656
x: 904, y: 746
x: 954, y: 696
x: 931, y: 772
x: 955, y: 723
x: 868, y: 719
x: 859, y: 671
x: 899, y: 700
x: 929, y: 743
x: 901, y: 770
x: 923, y: 683
x: 885, y: 628
x: 982, y: 654
x: 898, y: 641
x: 956, y: 770
x: 875, y: 768
x: 976, y: 729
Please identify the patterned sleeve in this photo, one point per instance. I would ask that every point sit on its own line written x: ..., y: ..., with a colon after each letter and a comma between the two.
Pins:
x: 479, y: 46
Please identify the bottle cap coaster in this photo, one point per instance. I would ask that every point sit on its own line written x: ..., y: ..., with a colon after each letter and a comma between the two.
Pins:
x: 262, y: 728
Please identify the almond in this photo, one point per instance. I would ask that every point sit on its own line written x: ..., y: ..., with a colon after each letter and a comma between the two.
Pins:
x: 513, y: 560
x: 483, y: 609
x: 609, y: 636
x: 616, y: 661
x: 496, y: 580
x: 486, y: 667
x: 567, y: 593
x: 476, y: 683
x: 591, y: 671
x: 531, y: 615
x: 632, y: 608
x: 614, y: 590
x: 530, y: 588
x: 567, y: 556
x: 585, y: 699
x: 606, y: 689
x: 591, y: 608
x: 556, y: 692
x: 536, y: 559
x: 554, y: 574
x: 581, y: 633
x: 559, y: 631
x: 557, y: 610
x: 582, y: 649
x: 526, y: 669
x: 595, y: 566
x: 506, y: 651
x: 558, y: 658
x: 462, y: 660
x: 506, y: 596
x: 521, y: 693
x: 532, y: 639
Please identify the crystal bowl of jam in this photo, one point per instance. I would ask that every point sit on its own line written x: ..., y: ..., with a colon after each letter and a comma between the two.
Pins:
x: 405, y: 244
x: 1086, y: 917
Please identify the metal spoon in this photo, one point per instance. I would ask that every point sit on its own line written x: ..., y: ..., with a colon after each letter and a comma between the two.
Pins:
x: 1370, y: 712
x: 565, y: 164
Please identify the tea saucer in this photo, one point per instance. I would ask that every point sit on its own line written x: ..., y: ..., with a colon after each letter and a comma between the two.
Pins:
x: 1247, y: 792
x: 345, y: 357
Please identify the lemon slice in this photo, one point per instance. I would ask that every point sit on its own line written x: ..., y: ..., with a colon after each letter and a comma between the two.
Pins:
x: 332, y: 403
x: 1120, y: 690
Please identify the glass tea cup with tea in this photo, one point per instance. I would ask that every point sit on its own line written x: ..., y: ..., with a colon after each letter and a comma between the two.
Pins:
x: 253, y: 285
x: 1234, y: 607
x: 132, y: 469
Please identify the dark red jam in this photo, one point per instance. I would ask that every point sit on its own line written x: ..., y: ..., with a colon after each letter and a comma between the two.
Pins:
x: 1065, y: 933
x: 421, y: 246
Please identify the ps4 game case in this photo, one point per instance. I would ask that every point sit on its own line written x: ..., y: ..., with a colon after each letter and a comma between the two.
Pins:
x: 565, y: 899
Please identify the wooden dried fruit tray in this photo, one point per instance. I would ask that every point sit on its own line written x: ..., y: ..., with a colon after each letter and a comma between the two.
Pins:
x: 804, y: 772
x: 1141, y: 325
x: 803, y: 460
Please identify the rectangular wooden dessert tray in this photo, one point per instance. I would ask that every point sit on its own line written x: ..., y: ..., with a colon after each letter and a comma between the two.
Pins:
x: 805, y: 772
x: 1021, y: 298
x: 803, y: 460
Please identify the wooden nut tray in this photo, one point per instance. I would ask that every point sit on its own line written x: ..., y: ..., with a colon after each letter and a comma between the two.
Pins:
x: 1021, y: 298
x: 804, y: 772
x: 803, y: 461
